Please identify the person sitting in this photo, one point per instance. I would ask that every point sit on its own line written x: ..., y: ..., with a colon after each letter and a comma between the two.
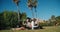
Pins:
x: 28, y: 23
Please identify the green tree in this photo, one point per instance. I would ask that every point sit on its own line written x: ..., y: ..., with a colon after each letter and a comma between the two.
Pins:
x: 2, y: 23
x: 58, y: 19
x: 23, y: 17
x: 52, y: 20
x: 10, y: 18
x: 17, y: 3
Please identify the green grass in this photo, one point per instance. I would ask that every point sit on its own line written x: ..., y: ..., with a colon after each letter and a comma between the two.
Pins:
x: 46, y: 29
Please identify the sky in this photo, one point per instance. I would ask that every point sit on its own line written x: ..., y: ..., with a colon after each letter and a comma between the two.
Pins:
x: 45, y: 8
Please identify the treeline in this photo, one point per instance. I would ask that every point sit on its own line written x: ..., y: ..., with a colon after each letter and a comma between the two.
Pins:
x: 9, y: 19
x: 53, y: 21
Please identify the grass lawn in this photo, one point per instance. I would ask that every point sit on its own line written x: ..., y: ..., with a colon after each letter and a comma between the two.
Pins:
x: 46, y: 29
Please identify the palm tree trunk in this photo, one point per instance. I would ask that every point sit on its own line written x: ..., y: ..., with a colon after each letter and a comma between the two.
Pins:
x: 35, y: 12
x: 32, y: 12
x: 18, y: 14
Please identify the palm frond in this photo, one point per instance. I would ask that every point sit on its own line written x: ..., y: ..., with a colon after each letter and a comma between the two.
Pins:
x: 35, y: 3
x: 16, y: 1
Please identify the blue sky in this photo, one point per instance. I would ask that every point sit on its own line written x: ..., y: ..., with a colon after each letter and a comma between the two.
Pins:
x: 45, y: 8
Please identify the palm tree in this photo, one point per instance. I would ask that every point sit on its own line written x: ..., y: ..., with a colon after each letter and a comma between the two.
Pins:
x: 35, y: 5
x: 17, y: 3
x: 31, y: 4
